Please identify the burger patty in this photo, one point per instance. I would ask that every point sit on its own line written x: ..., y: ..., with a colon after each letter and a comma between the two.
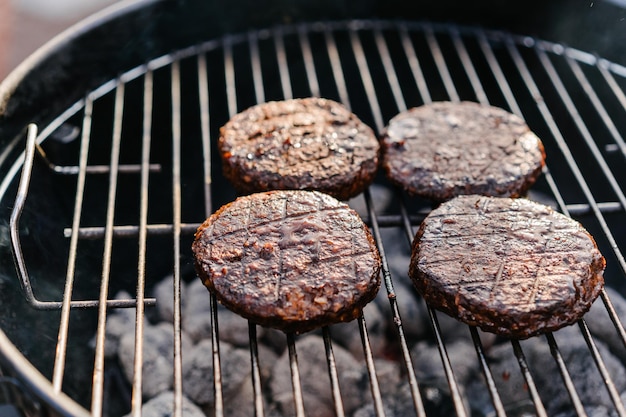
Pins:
x: 292, y: 260
x: 444, y: 149
x: 301, y: 144
x: 509, y: 266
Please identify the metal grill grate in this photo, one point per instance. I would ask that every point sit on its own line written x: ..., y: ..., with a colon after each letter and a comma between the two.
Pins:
x: 174, y: 105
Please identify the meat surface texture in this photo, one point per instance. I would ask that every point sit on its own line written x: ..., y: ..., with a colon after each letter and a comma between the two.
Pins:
x: 444, y: 149
x: 292, y: 260
x: 510, y: 266
x: 300, y: 144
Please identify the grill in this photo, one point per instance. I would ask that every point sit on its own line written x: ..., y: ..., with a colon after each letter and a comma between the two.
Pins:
x: 137, y: 156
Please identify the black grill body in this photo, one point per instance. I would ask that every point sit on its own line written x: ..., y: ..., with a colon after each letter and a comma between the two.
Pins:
x: 108, y: 137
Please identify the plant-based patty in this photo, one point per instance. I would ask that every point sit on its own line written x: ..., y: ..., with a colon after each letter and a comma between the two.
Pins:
x: 292, y: 260
x: 510, y: 266
x: 444, y: 149
x: 300, y: 144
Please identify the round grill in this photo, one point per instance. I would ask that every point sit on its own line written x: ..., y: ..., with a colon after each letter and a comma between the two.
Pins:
x: 130, y: 171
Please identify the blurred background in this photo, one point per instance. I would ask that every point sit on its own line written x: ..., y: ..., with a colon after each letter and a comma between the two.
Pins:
x: 25, y: 25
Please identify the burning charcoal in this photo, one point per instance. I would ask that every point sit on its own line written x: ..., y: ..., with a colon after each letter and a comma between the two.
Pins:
x: 198, y: 372
x: 197, y: 318
x: 158, y: 357
x: 314, y: 379
x: 163, y: 406
x: 164, y: 294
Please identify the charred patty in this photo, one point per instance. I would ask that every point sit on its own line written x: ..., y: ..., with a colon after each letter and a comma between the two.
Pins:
x: 510, y: 266
x: 292, y: 260
x: 444, y: 149
x: 300, y: 144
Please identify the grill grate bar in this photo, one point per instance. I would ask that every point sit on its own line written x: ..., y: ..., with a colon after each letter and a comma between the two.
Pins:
x: 593, y: 97
x: 137, y: 382
x: 606, y: 376
x: 571, y: 107
x: 335, y: 62
x: 414, y: 64
x: 295, y: 375
x: 176, y: 203
x: 613, y: 316
x: 59, y: 361
x: 332, y: 373
x: 307, y: 56
x: 281, y: 58
x: 253, y: 41
x: 203, y: 95
x: 203, y: 101
x: 98, y: 373
x: 256, y: 373
x: 602, y: 65
x: 484, y: 366
x: 366, y: 79
x: 445, y: 360
x: 371, y: 369
x: 468, y: 66
x: 442, y: 67
x: 567, y: 380
x: 530, y: 383
x: 406, y: 356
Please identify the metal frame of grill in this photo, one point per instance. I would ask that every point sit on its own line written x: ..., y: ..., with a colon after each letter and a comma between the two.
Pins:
x: 369, y: 45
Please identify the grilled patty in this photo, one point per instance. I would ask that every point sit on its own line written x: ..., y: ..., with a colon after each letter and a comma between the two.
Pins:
x: 292, y: 260
x: 444, y: 149
x: 301, y: 144
x: 510, y: 266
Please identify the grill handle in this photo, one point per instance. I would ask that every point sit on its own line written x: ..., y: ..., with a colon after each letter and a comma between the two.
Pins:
x: 31, y: 132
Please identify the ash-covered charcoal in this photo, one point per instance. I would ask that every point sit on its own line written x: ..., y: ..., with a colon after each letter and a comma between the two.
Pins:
x: 585, y: 375
x: 349, y: 336
x: 158, y: 357
x: 119, y: 323
x: 431, y: 376
x: 164, y: 294
x: 196, y: 318
x: 163, y: 406
x: 198, y: 373
x: 581, y: 366
x: 600, y: 324
x: 396, y: 404
x: 315, y: 381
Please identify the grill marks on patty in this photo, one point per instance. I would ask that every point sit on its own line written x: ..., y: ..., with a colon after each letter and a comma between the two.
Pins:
x: 294, y: 260
x: 509, y: 266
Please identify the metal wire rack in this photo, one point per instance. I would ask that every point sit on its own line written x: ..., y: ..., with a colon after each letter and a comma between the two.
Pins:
x: 573, y: 99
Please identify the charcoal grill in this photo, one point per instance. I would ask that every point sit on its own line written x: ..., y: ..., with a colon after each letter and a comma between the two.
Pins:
x: 113, y: 177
